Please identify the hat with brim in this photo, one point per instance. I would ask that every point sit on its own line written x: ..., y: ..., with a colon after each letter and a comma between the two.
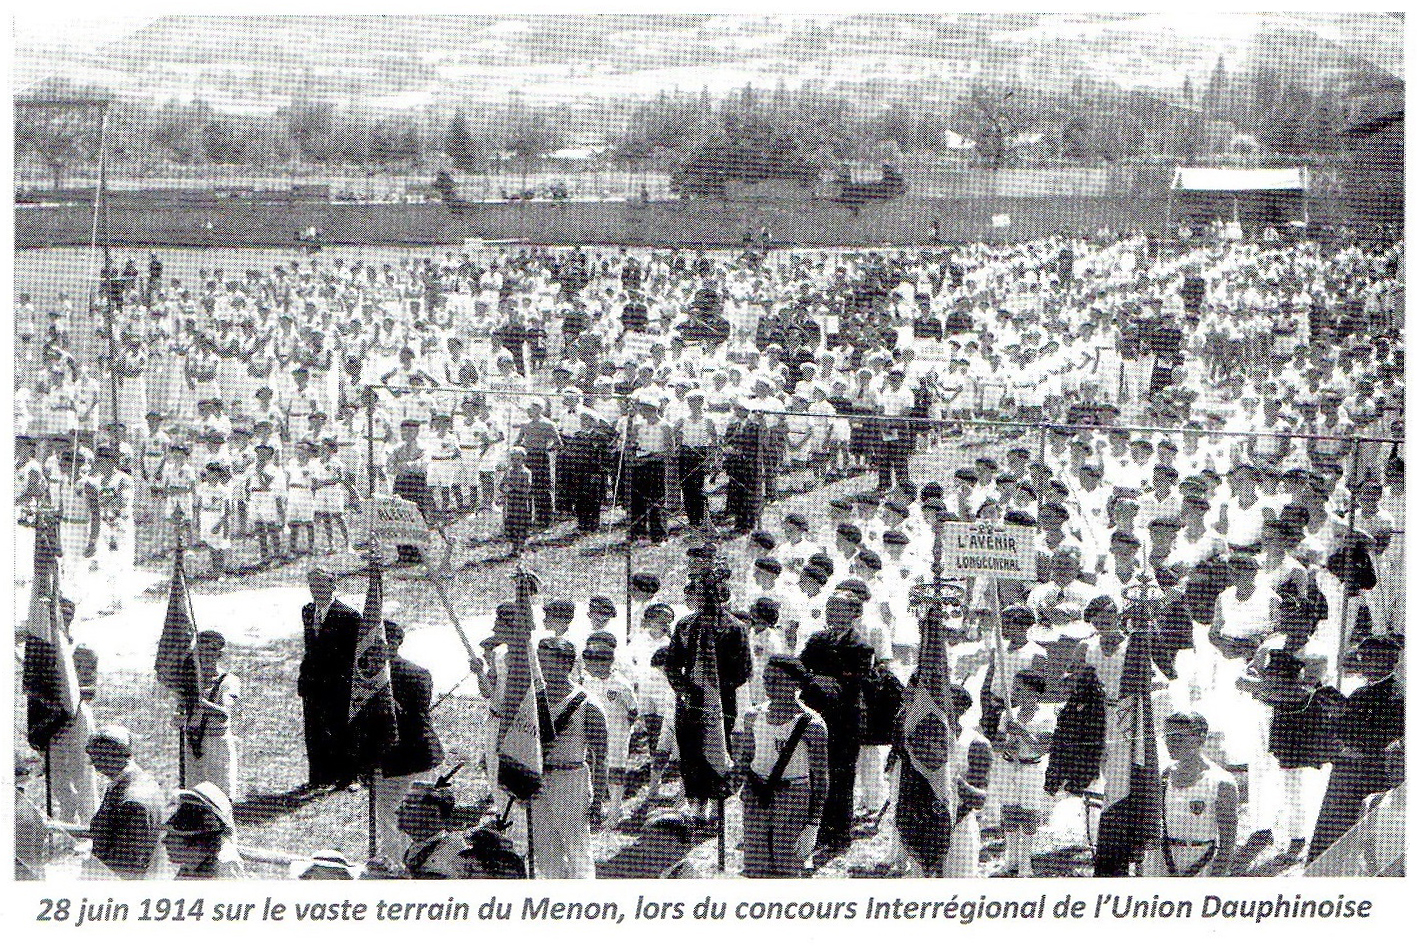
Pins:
x: 211, y: 810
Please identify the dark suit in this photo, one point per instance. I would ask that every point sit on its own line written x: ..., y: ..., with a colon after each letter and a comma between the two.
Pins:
x: 126, y: 828
x: 835, y: 665
x: 324, y: 687
x: 417, y: 748
x: 743, y: 462
x: 1372, y: 720
x: 735, y: 664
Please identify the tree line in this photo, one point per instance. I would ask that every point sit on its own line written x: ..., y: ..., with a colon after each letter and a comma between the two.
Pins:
x: 779, y: 132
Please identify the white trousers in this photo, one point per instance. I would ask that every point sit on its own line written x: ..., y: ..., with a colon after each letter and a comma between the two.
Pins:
x: 219, y: 763
x: 871, y: 778
x: 561, y: 836
x: 389, y: 792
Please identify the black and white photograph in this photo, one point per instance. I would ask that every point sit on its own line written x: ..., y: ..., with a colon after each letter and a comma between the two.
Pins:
x: 629, y: 446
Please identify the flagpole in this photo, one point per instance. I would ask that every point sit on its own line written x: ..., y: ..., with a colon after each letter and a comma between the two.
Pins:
x: 185, y: 704
x: 531, y: 849
x: 52, y: 568
x: 629, y: 524
x: 722, y: 848
x: 373, y: 825
x: 48, y: 783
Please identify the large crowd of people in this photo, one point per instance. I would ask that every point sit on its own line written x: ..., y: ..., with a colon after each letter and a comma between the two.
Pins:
x: 1206, y: 442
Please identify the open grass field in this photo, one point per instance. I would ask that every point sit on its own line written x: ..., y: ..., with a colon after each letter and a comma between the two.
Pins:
x: 678, y: 224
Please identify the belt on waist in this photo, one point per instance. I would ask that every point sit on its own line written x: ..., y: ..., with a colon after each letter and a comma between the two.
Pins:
x: 551, y: 767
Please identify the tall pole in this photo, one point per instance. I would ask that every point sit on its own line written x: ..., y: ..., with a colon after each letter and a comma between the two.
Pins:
x: 625, y: 451
x: 101, y: 214
x: 369, y: 400
x: 1043, y: 448
x: 723, y: 847
x: 373, y: 822
x: 760, y: 476
x: 48, y: 784
x: 185, y: 703
x: 531, y: 840
x: 1345, y: 567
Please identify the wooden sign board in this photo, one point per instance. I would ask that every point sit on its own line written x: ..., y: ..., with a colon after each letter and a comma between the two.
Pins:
x: 983, y: 550
x: 398, y: 521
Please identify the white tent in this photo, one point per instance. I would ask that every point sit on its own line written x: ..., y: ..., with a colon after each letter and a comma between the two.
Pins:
x: 1270, y: 188
x: 1241, y: 180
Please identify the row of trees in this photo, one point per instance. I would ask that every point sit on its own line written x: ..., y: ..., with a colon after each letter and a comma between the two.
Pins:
x: 783, y: 130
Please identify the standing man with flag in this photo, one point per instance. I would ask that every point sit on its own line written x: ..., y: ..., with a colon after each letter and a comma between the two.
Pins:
x: 211, y: 749
x: 838, y: 660
x: 575, y: 765
x: 332, y: 631
x: 1132, y: 779
x: 176, y: 663
x: 371, y: 727
x: 59, y: 721
x: 417, y: 749
x: 706, y: 661
x: 944, y: 770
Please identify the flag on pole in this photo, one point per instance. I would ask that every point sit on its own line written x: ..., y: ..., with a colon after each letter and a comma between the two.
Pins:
x: 1131, y: 772
x: 519, y: 745
x: 371, y: 711
x: 704, y: 674
x: 51, y: 681
x: 176, y: 661
x: 927, y: 796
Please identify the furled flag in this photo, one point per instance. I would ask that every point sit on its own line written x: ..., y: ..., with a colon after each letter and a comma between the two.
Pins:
x: 176, y: 661
x: 51, y: 681
x: 371, y: 713
x: 1132, y: 777
x: 703, y: 672
x: 524, y: 717
x: 927, y: 797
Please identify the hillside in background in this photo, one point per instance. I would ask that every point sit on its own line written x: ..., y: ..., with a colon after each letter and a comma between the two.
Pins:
x: 510, y: 98
x: 257, y: 65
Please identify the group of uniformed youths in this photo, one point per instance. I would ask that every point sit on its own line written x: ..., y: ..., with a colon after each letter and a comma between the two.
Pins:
x: 1271, y: 559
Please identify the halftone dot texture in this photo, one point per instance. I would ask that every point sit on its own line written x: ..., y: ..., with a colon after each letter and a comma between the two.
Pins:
x: 289, y: 192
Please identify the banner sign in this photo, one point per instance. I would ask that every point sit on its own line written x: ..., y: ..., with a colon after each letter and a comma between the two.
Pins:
x: 637, y: 344
x: 983, y: 550
x: 398, y: 522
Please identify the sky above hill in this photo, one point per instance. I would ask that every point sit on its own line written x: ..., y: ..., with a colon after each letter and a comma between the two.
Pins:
x: 255, y: 64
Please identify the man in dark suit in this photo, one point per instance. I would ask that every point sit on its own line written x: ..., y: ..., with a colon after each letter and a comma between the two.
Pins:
x: 331, y: 634
x: 417, y: 749
x: 743, y: 463
x: 1366, y: 727
x: 837, y: 662
x: 126, y: 828
x: 710, y: 623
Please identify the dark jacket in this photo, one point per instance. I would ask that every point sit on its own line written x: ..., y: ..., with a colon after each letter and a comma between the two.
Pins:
x: 328, y: 661
x: 1076, y: 753
x: 836, y: 666
x: 1371, y: 720
x: 732, y: 655
x: 418, y: 748
x: 126, y: 828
